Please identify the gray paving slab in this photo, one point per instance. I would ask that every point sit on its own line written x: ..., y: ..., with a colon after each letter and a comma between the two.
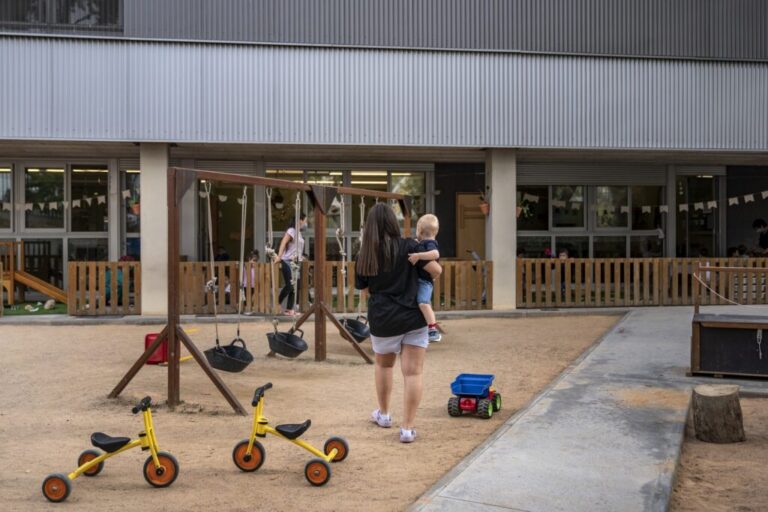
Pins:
x: 606, y: 436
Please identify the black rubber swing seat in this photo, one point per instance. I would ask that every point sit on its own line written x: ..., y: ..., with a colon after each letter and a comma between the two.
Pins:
x: 108, y: 443
x: 287, y: 344
x: 229, y: 358
x: 294, y: 430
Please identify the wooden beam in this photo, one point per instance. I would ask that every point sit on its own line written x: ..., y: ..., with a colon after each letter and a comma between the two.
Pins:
x: 345, y: 334
x: 320, y: 277
x: 203, y: 362
x: 139, y: 364
x: 174, y: 347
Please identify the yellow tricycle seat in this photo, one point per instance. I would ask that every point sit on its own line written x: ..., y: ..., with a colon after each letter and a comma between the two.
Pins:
x: 108, y: 443
x: 293, y: 430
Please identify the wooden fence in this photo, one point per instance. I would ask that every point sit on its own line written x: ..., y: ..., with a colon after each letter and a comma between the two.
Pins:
x: 546, y: 283
x: 463, y: 285
x: 104, y: 288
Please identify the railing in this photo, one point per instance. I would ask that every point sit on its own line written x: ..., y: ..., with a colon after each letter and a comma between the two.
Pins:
x: 546, y: 283
x: 463, y: 285
x: 104, y: 288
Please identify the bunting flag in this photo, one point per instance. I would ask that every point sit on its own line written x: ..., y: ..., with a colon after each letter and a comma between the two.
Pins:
x: 519, y: 210
x: 663, y: 208
x: 203, y: 194
x: 101, y: 199
x: 7, y: 207
x: 222, y: 198
x: 53, y: 205
x: 126, y: 194
x: 530, y: 198
x: 733, y: 201
x: 749, y: 198
x: 698, y: 206
x: 682, y: 207
x: 41, y: 206
x: 557, y: 203
x: 575, y: 205
x: 711, y: 204
x: 645, y: 209
x: 28, y: 207
x: 88, y: 200
x: 240, y: 200
x: 65, y: 204
x: 75, y: 203
x: 624, y: 209
x: 764, y: 194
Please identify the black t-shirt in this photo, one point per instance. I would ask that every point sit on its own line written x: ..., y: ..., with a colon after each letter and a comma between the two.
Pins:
x: 392, y: 308
x: 426, y: 246
x: 763, y: 240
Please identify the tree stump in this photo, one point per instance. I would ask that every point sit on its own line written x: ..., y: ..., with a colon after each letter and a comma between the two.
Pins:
x: 717, y: 414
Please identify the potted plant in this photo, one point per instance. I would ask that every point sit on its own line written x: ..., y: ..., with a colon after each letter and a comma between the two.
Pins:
x: 485, y: 207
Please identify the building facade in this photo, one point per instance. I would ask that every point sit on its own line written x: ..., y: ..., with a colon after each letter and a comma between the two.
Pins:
x: 608, y: 128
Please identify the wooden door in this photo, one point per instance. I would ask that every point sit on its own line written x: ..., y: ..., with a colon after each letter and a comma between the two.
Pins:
x: 470, y: 226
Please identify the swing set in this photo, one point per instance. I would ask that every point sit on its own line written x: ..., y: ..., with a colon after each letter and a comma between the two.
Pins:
x: 178, y: 182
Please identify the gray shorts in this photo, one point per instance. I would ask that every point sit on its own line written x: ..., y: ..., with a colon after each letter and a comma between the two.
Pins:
x: 392, y: 344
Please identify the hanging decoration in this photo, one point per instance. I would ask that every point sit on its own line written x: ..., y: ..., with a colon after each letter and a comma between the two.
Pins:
x: 126, y: 194
x: 101, y: 199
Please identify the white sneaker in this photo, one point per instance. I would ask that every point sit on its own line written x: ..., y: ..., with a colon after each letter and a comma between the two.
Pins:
x: 407, y: 436
x: 382, y: 420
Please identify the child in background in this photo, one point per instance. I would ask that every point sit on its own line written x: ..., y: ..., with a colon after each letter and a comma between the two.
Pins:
x: 426, y: 231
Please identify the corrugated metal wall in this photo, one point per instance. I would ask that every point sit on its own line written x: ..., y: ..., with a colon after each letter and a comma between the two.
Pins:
x: 111, y: 90
x: 719, y: 29
x: 594, y: 173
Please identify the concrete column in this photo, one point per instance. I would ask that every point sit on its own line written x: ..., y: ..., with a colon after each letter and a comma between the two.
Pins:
x: 671, y: 200
x: 115, y: 212
x: 154, y: 229
x: 501, y: 226
x: 190, y: 227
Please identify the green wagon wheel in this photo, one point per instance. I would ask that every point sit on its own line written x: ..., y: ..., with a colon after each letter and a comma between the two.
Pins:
x: 497, y: 402
x: 485, y: 408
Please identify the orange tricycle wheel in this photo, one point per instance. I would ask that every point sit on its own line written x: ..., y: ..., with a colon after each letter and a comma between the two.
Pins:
x: 56, y: 487
x: 87, y: 456
x: 166, y: 474
x: 247, y: 462
x: 318, y: 472
x: 342, y: 448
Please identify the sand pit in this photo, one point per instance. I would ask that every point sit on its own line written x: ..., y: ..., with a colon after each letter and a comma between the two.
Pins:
x: 54, y: 382
x: 726, y: 477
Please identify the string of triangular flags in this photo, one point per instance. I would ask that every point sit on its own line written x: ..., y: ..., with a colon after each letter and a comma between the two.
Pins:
x: 644, y: 209
x: 79, y: 203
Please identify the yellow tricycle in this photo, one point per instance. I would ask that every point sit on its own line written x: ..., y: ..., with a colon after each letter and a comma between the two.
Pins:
x: 249, y: 453
x: 160, y: 468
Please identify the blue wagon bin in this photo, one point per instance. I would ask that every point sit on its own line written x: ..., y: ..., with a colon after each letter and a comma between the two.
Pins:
x: 474, y: 395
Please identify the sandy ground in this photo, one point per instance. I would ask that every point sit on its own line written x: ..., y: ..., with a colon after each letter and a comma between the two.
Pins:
x: 726, y: 477
x: 54, y: 382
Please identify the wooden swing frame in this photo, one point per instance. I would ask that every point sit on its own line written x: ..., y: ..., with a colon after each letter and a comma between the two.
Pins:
x: 178, y: 182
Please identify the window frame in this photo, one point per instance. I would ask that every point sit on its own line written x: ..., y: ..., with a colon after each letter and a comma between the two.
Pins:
x: 11, y: 229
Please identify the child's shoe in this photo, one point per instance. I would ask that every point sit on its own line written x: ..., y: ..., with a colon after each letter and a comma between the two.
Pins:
x: 434, y: 336
x: 407, y: 435
x: 382, y: 420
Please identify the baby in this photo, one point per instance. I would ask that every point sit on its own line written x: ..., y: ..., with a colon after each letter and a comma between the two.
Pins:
x: 426, y: 231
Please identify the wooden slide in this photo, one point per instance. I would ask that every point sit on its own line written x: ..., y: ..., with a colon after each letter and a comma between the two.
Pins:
x: 41, y: 286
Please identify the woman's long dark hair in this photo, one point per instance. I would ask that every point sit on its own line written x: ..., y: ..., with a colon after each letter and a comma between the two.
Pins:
x: 379, y: 246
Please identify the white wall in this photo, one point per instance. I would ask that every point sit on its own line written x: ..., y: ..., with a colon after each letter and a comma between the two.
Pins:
x: 501, y: 229
x: 154, y: 234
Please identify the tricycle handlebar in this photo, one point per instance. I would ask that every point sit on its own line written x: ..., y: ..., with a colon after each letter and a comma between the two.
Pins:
x: 143, y: 405
x: 260, y: 393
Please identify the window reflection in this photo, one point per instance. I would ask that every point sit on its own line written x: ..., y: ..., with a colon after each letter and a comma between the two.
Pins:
x: 44, y: 195
x: 90, y: 197
x: 6, y: 205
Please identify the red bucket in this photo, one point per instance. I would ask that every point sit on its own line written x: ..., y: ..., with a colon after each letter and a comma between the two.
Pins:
x: 160, y: 355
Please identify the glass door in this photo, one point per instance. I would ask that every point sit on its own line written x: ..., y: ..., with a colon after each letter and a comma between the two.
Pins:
x: 698, y: 225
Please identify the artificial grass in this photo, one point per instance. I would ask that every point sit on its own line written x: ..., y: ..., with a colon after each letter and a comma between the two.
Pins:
x: 18, y: 309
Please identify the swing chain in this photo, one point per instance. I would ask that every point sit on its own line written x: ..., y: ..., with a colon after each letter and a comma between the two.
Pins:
x: 211, y: 285
x: 268, y: 249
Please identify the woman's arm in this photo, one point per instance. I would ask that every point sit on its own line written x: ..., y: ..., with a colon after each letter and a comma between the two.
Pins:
x: 287, y: 238
x: 434, y: 269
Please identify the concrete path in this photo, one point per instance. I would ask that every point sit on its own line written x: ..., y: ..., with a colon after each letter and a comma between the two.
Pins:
x: 605, y: 436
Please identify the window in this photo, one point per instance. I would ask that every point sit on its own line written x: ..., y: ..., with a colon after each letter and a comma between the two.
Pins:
x: 568, y: 206
x: 414, y: 185
x: 534, y: 208
x: 103, y: 15
x: 225, y: 219
x: 88, y: 249
x: 645, y: 207
x: 534, y: 247
x: 44, y: 196
x: 89, y: 199
x: 6, y: 200
x: 649, y: 246
x: 609, y: 247
x: 44, y: 258
x: 577, y: 246
x: 612, y: 207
